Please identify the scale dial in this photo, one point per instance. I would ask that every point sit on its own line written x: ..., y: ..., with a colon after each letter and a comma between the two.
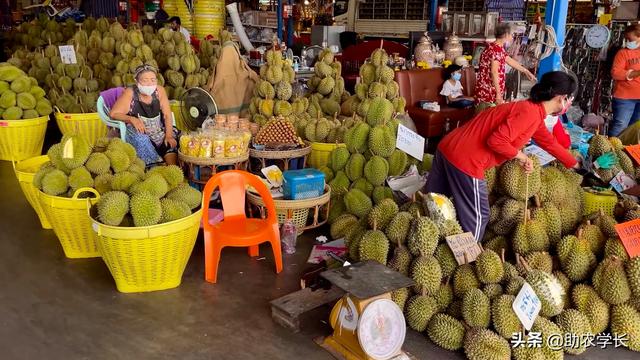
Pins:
x: 597, y: 36
x: 381, y: 329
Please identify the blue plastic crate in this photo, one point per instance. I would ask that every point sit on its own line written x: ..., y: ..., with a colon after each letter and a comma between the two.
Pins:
x: 302, y: 184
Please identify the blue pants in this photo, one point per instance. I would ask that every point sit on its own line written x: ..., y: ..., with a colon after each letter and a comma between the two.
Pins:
x: 625, y: 113
x: 470, y: 195
x: 461, y: 104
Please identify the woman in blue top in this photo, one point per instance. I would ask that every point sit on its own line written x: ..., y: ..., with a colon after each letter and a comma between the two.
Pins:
x: 146, y: 111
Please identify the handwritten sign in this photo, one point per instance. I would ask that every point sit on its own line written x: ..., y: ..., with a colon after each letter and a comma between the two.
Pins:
x: 68, y: 54
x: 543, y: 156
x: 527, y: 306
x: 629, y: 233
x: 464, y: 244
x: 634, y: 152
x: 410, y: 142
x: 622, y: 182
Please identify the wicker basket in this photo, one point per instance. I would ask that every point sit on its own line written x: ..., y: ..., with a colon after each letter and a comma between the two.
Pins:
x: 88, y: 125
x: 69, y: 220
x: 25, y: 170
x: 148, y: 258
x: 298, y: 210
x: 199, y: 169
x: 264, y: 156
x: 22, y: 139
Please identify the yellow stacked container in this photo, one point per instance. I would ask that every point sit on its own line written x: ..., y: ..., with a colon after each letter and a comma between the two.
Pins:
x: 209, y: 17
x: 171, y: 7
x: 185, y: 16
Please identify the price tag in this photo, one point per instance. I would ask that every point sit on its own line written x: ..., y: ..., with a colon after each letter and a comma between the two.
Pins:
x: 527, y: 306
x: 543, y: 156
x: 461, y: 244
x: 622, y: 182
x: 68, y: 54
x: 629, y: 233
x: 634, y: 152
x: 410, y: 142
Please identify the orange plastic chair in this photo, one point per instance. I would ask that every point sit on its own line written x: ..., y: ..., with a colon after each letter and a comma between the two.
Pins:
x: 236, y: 229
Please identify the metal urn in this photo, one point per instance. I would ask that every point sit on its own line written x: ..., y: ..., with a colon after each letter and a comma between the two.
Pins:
x: 424, y: 50
x: 452, y: 47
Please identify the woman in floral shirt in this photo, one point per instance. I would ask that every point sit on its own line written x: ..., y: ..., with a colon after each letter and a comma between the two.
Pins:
x: 491, y: 73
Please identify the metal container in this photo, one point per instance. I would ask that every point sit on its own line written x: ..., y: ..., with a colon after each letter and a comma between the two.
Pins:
x: 424, y: 50
x: 452, y: 47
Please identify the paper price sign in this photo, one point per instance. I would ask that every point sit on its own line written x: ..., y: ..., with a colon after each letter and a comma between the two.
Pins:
x: 410, y: 142
x: 527, y: 306
x: 622, y: 182
x: 68, y: 54
x: 543, y: 156
x: 634, y: 152
x: 629, y: 233
x: 464, y: 244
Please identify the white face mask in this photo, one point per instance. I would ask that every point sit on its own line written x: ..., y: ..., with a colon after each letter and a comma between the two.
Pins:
x: 147, y: 89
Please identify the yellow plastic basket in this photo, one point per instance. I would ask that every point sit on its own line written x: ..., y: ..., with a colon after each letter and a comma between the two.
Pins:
x: 69, y: 220
x: 22, y: 139
x: 86, y: 125
x: 25, y: 170
x: 595, y: 201
x: 319, y: 156
x: 148, y: 258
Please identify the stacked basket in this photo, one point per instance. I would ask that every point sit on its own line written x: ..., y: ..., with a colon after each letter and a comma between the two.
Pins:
x: 185, y: 15
x: 209, y: 17
x: 88, y: 125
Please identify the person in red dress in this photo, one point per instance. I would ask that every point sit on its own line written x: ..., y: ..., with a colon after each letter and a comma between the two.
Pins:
x: 491, y: 72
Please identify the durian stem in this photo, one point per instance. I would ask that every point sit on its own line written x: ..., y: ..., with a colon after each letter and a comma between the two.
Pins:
x: 502, y: 255
x: 466, y: 257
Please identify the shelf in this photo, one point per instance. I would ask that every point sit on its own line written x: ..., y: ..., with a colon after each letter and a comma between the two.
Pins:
x: 261, y: 26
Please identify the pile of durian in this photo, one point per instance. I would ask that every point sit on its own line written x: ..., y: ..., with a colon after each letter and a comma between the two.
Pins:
x: 377, y: 94
x: 20, y: 95
x: 357, y: 172
x: 577, y: 266
x: 39, y: 32
x: 129, y: 195
x: 107, y: 55
x: 273, y: 94
x: 327, y: 86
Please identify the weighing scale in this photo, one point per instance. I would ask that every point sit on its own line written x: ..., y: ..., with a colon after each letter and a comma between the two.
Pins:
x: 367, y: 324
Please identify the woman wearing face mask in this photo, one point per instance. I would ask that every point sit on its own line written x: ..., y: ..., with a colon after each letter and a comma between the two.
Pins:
x: 146, y: 111
x: 626, y: 73
x: 491, y: 69
x: 494, y: 136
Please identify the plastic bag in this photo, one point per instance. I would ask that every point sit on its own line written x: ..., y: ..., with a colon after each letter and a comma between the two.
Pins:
x: 288, y: 236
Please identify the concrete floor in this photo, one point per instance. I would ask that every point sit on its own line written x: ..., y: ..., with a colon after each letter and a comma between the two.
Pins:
x: 56, y: 308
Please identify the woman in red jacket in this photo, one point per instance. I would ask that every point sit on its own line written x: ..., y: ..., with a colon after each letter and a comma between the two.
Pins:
x: 493, y: 137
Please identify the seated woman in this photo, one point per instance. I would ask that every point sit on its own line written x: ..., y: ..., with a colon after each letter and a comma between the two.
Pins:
x: 146, y: 111
x: 452, y: 88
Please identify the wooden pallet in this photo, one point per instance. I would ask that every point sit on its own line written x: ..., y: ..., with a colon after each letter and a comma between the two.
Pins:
x: 287, y: 310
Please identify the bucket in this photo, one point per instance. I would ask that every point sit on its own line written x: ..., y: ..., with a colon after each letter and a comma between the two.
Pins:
x: 25, y: 170
x: 22, y: 139
x: 319, y: 156
x: 88, y: 125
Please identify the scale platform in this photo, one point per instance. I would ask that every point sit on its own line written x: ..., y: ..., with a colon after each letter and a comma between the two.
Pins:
x: 367, y: 279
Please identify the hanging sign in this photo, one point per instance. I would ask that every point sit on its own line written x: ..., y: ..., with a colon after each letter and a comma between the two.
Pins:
x: 629, y: 233
x: 410, y: 142
x: 527, y: 306
x: 68, y: 54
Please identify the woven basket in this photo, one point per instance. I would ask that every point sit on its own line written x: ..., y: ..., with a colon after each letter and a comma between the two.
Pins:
x: 25, y: 170
x: 88, y: 125
x: 69, y: 220
x: 148, y: 258
x: 199, y: 170
x: 22, y: 139
x: 263, y: 156
x: 298, y: 210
